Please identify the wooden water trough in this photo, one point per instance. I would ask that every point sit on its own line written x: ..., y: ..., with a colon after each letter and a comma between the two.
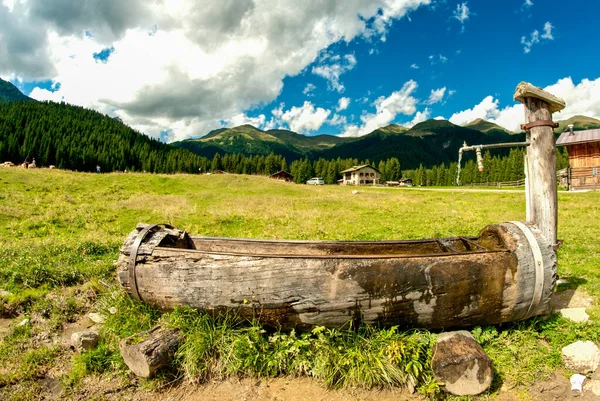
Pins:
x: 504, y: 274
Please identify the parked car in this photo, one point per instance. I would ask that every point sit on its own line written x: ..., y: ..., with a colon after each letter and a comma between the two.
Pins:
x: 316, y: 181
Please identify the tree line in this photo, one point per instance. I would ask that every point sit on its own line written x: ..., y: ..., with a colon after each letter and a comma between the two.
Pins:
x: 71, y: 137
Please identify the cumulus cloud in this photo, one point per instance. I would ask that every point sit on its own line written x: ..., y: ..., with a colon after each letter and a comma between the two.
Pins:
x: 306, y: 118
x: 420, y: 116
x: 180, y: 66
x: 343, y: 103
x: 510, y: 117
x: 534, y: 37
x: 581, y: 99
x: 436, y: 95
x: 414, y: 66
x: 527, y: 4
x: 338, y: 119
x: 332, y: 67
x: 387, y: 108
x: 243, y: 119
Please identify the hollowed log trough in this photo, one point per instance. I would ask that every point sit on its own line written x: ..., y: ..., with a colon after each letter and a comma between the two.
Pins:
x: 506, y: 273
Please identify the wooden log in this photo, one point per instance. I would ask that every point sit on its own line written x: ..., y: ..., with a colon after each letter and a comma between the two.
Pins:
x: 505, y: 274
x: 541, y: 191
x: 146, y: 352
x: 461, y: 364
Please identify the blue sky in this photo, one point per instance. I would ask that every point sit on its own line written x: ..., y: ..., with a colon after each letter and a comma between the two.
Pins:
x: 176, y: 69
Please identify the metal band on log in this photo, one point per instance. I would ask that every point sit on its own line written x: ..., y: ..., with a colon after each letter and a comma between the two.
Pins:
x: 507, y: 273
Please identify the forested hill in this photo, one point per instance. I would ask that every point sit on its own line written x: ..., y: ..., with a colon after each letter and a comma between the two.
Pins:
x: 75, y: 138
x: 10, y: 93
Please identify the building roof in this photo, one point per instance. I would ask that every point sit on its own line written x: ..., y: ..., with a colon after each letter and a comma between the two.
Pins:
x: 588, y: 135
x: 356, y: 168
x: 282, y: 173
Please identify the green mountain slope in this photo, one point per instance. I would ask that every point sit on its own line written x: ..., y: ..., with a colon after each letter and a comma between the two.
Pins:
x: 10, y: 93
x: 579, y: 123
x: 429, y: 143
x: 248, y: 140
x: 75, y: 138
x: 484, y: 126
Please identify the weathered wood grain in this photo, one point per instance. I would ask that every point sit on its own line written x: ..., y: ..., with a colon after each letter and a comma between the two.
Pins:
x: 302, y: 284
x: 147, y: 352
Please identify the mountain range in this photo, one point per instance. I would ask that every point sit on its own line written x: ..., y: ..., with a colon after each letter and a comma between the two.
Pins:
x: 428, y: 143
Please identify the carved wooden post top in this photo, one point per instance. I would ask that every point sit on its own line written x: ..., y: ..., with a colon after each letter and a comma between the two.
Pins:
x: 525, y: 89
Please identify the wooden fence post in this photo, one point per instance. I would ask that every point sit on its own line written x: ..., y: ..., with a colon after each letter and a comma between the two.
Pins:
x: 540, y: 163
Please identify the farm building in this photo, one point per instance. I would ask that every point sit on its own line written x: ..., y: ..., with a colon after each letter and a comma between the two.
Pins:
x: 406, y: 182
x: 282, y: 176
x: 583, y: 148
x: 361, y: 175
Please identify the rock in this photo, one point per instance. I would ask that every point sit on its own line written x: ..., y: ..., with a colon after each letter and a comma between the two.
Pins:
x: 23, y: 322
x: 581, y: 356
x: 355, y: 192
x: 461, y: 364
x: 577, y: 382
x: 593, y: 386
x: 96, y: 318
x: 577, y: 315
x: 4, y: 293
x: 84, y: 340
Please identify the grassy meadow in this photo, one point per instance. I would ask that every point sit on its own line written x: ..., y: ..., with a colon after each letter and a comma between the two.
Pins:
x: 60, y: 233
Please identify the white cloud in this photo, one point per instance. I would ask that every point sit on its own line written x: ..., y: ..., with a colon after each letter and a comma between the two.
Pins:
x: 534, y: 38
x: 308, y: 89
x: 181, y: 66
x: 548, y: 31
x: 436, y: 95
x: 581, y: 99
x: 527, y: 4
x: 338, y: 119
x: 387, y: 108
x: 243, y: 119
x: 420, y: 116
x: 462, y: 14
x: 343, y: 103
x: 332, y: 67
x: 511, y: 117
x: 434, y: 59
x: 306, y: 118
x: 414, y: 66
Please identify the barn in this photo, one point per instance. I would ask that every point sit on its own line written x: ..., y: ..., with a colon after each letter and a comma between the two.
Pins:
x: 282, y: 176
x: 583, y: 148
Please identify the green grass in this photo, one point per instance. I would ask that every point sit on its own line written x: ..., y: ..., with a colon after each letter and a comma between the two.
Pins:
x: 60, y: 233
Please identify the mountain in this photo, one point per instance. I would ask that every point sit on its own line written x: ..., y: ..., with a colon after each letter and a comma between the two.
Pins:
x: 10, y: 93
x: 76, y: 138
x: 484, y: 126
x: 248, y: 140
x: 579, y: 123
x: 431, y: 142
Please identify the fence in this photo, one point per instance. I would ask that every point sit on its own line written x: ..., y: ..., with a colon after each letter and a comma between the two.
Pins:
x: 517, y: 183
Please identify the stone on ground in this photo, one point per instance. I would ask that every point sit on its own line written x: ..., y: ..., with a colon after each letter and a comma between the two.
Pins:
x: 461, y: 364
x: 96, y: 318
x: 593, y: 386
x: 84, y: 340
x: 581, y: 356
x: 577, y: 315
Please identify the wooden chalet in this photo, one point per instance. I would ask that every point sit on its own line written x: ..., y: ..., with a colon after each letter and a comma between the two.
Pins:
x: 361, y: 175
x: 282, y: 176
x: 583, y: 148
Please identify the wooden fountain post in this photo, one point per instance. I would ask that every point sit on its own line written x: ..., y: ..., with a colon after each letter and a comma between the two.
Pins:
x: 540, y: 161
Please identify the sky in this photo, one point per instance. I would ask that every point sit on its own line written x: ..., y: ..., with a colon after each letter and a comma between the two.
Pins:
x: 175, y: 69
